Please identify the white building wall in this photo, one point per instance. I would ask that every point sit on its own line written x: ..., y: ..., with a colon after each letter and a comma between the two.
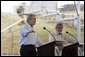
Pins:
x: 46, y: 5
x: 38, y: 5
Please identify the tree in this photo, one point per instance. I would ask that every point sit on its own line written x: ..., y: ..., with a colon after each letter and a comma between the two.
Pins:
x: 21, y: 9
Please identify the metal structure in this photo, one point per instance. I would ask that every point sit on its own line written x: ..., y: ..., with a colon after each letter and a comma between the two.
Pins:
x: 78, y: 21
x: 12, y: 25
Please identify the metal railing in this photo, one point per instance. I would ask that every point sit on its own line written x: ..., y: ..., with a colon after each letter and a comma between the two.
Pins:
x: 9, y: 40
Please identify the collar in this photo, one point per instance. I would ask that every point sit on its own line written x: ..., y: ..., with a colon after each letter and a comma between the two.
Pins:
x: 56, y: 32
x: 28, y: 24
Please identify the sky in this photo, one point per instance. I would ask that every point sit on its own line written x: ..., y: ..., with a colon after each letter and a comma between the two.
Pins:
x: 7, y: 6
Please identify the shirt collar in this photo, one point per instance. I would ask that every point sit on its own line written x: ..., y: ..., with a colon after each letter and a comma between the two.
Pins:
x: 56, y: 32
x: 28, y: 24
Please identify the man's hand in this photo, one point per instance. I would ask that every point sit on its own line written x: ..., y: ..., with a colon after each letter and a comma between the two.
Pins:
x: 32, y: 31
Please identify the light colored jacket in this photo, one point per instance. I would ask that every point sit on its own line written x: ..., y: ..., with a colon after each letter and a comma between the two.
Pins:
x: 63, y: 37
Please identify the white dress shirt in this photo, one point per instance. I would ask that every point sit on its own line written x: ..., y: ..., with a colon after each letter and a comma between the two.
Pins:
x: 26, y: 37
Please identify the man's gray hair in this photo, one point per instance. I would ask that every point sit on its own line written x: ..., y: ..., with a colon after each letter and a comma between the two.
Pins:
x: 59, y: 24
x: 29, y: 16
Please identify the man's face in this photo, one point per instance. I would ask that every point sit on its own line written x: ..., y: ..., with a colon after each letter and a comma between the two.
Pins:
x: 59, y: 28
x: 33, y: 20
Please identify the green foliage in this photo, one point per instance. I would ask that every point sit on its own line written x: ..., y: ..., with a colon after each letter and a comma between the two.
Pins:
x: 20, y: 10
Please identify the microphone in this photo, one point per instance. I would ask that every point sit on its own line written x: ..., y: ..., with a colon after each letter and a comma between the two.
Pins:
x: 49, y: 32
x: 71, y: 35
x: 44, y: 28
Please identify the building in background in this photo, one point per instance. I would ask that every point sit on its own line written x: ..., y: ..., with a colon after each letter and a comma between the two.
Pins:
x: 38, y: 6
